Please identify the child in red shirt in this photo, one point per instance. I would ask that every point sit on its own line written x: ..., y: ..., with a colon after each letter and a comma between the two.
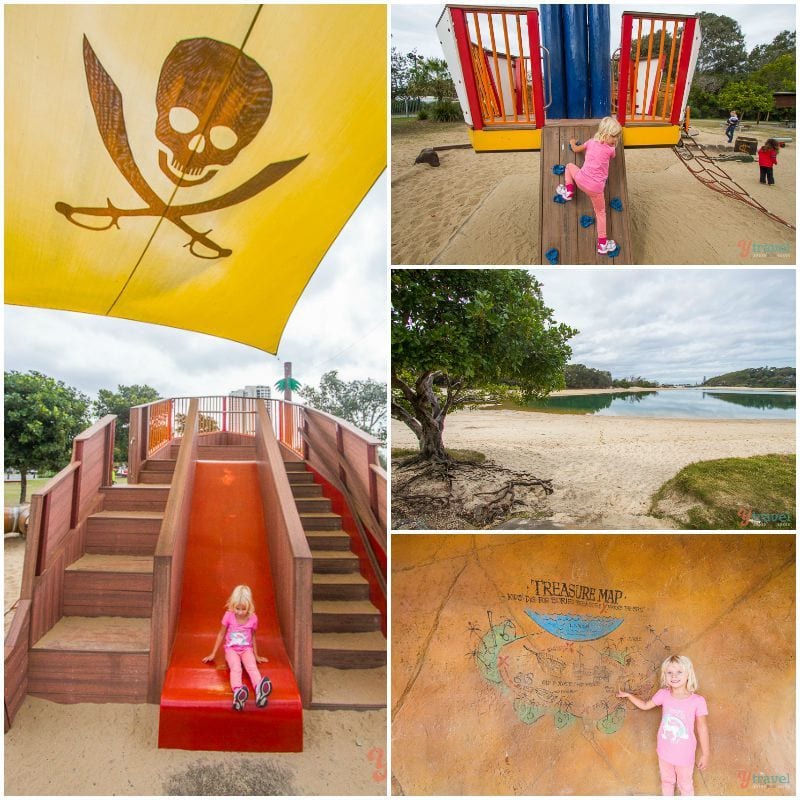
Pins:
x: 767, y: 158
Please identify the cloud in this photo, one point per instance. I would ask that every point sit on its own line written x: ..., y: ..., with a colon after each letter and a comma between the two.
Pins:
x: 675, y: 325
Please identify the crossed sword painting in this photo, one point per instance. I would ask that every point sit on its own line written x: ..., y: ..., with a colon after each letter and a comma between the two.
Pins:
x: 107, y: 104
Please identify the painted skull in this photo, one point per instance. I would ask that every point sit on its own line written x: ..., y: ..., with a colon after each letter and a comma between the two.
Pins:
x: 212, y: 100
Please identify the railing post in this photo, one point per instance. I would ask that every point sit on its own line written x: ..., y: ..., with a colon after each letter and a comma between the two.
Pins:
x: 465, y: 56
x: 687, y: 40
x: 624, y: 69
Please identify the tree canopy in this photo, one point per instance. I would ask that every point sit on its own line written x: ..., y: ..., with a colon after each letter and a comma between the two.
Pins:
x: 120, y: 403
x: 362, y: 403
x: 463, y: 336
x: 42, y: 416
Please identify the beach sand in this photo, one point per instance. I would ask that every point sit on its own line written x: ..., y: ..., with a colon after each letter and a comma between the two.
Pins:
x: 115, y: 750
x: 604, y: 469
x: 484, y: 208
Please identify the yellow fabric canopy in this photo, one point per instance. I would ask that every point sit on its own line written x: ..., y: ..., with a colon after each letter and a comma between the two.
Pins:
x: 186, y: 165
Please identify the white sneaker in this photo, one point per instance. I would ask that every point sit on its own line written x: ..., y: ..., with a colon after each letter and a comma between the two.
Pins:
x: 564, y: 192
x: 608, y: 247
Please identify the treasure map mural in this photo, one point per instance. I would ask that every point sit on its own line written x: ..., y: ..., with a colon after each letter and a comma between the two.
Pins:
x: 568, y: 666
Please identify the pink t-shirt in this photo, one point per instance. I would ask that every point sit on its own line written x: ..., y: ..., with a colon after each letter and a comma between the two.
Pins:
x: 592, y: 176
x: 240, y: 634
x: 676, y: 739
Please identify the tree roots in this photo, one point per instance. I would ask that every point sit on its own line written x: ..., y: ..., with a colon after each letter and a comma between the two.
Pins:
x: 450, y: 494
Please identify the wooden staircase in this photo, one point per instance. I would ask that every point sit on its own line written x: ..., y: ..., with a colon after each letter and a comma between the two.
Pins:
x: 99, y: 650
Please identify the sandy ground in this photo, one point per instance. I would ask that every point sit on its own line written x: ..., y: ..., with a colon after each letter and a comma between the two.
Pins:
x: 604, y: 469
x: 116, y: 752
x: 484, y: 208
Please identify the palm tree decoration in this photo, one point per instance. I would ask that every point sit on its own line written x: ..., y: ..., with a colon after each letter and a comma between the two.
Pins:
x: 288, y: 383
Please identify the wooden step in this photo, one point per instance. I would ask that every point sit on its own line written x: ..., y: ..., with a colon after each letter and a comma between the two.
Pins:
x: 151, y: 477
x: 328, y: 540
x: 123, y: 532
x: 300, y: 477
x: 306, y: 490
x: 349, y: 650
x: 318, y: 505
x: 320, y: 521
x: 226, y: 452
x: 348, y: 689
x: 92, y: 660
x: 344, y: 616
x: 334, y: 561
x: 340, y: 586
x: 160, y: 465
x: 135, y: 497
x: 109, y: 585
x: 295, y: 466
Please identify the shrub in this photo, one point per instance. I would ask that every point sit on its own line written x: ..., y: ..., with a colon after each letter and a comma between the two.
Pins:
x: 422, y: 114
x: 447, y: 111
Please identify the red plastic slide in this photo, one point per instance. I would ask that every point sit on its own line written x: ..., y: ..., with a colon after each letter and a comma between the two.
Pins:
x: 227, y: 546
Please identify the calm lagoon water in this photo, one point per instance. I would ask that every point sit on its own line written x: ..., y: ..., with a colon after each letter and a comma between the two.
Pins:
x: 684, y: 403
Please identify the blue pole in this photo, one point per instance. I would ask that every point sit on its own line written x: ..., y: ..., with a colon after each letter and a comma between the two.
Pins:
x: 552, y: 39
x: 600, y: 59
x: 576, y: 60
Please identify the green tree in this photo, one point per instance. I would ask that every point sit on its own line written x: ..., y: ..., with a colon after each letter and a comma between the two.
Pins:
x: 761, y: 55
x: 400, y: 73
x: 746, y: 97
x: 431, y: 77
x: 362, y: 403
x: 120, y: 403
x: 42, y: 416
x: 578, y: 376
x: 463, y: 336
x: 778, y: 75
x: 722, y: 49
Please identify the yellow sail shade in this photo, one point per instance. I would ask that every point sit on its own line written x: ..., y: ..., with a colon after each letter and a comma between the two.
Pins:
x: 186, y: 165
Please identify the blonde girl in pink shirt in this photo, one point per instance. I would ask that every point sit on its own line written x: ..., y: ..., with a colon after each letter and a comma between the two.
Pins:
x: 238, y: 631
x: 681, y: 712
x: 591, y: 178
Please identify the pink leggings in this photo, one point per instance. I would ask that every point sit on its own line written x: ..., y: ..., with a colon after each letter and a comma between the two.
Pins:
x: 598, y: 199
x: 236, y: 660
x: 671, y: 774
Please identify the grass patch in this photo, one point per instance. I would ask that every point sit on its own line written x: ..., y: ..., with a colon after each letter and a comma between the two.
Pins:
x: 730, y: 493
x: 470, y: 456
x: 11, y: 489
x: 242, y: 777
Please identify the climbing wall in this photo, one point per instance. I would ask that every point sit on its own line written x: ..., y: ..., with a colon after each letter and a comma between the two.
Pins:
x: 561, y: 228
x: 508, y: 652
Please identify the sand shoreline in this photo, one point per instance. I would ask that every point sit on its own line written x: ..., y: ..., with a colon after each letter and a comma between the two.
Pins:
x: 617, y: 390
x: 604, y: 469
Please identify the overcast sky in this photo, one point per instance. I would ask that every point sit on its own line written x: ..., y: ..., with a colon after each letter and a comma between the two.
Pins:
x: 675, y: 325
x: 339, y: 323
x: 413, y: 25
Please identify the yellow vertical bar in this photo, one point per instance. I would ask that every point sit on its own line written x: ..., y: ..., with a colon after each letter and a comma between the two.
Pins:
x: 525, y: 103
x: 497, y: 84
x: 664, y: 114
x: 646, y: 93
x: 511, y: 85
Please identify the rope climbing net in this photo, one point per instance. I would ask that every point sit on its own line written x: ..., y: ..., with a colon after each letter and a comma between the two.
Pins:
x: 709, y: 172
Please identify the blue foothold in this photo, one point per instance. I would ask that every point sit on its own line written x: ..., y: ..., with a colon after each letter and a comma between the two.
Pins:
x: 558, y: 169
x: 614, y: 253
x: 557, y: 198
x: 552, y: 255
x: 616, y: 204
x: 586, y: 220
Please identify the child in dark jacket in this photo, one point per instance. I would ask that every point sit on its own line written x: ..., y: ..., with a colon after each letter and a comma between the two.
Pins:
x: 767, y: 158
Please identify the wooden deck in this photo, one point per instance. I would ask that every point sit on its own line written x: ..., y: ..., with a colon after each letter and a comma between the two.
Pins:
x: 559, y: 225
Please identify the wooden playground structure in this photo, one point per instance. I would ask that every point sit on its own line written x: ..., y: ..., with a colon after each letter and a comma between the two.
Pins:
x: 100, y: 606
x: 531, y: 79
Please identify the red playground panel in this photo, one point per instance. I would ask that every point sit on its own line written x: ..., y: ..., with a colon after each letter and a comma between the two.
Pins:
x: 227, y: 546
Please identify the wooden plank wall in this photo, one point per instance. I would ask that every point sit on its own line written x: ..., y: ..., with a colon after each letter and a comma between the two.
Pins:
x: 16, y: 661
x: 559, y: 222
x: 170, y: 555
x: 289, y: 553
x: 56, y: 538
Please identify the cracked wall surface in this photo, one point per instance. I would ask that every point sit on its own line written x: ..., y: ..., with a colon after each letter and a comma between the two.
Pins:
x: 508, y: 650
